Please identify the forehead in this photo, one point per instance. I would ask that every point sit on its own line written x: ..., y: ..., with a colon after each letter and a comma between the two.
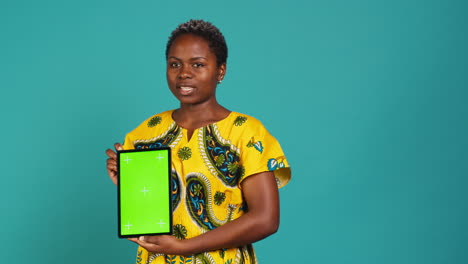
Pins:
x: 189, y: 46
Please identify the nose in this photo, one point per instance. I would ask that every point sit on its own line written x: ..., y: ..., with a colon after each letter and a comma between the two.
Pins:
x: 185, y: 72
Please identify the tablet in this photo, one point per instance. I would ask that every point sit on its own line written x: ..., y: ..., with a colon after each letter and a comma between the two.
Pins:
x: 144, y: 202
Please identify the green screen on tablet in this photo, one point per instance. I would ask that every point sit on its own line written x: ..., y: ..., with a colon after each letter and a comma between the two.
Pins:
x: 144, y: 192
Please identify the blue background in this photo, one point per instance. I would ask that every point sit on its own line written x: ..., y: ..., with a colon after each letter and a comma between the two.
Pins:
x: 368, y: 99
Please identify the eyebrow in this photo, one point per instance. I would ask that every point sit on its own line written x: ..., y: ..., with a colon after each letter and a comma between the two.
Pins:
x: 194, y: 58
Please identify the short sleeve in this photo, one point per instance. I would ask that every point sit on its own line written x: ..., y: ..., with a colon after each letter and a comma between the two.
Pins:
x: 128, y: 143
x: 261, y: 152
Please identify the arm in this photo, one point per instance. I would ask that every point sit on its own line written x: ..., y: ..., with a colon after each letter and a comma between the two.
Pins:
x: 261, y: 220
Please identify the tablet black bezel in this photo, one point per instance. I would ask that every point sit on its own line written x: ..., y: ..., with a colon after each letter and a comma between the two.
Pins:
x: 118, y: 192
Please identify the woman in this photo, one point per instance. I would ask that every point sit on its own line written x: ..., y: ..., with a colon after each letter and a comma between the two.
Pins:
x: 226, y: 167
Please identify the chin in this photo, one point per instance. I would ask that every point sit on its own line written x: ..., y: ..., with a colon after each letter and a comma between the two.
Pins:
x: 193, y: 101
x: 186, y: 100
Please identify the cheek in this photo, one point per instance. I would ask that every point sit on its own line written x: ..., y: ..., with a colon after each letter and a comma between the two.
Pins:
x: 170, y: 77
x: 208, y: 77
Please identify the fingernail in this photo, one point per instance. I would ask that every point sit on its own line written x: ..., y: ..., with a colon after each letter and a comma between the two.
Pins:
x: 141, y: 238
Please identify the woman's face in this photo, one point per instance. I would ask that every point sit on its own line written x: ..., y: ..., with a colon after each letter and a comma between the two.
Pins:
x: 192, y: 72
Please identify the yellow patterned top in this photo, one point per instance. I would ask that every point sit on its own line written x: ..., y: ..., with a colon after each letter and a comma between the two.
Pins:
x: 207, y: 171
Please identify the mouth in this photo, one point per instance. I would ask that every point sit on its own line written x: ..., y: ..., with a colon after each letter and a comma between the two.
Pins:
x: 186, y: 90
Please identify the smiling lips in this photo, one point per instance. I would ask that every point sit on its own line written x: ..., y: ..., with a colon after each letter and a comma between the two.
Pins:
x: 186, y: 90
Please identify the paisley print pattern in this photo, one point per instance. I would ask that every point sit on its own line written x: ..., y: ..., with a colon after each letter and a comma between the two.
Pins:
x: 174, y: 259
x: 175, y: 190
x: 197, y: 200
x: 243, y: 207
x: 206, y: 173
x: 168, y: 139
x: 204, y: 258
x: 222, y: 158
x: 152, y: 256
x: 247, y: 255
x: 139, y: 259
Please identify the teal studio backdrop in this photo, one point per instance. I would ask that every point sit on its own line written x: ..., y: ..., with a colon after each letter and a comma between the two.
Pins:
x: 368, y: 99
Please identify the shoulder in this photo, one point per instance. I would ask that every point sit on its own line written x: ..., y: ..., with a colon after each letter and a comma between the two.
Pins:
x: 245, y: 121
x: 154, y: 122
x: 247, y: 124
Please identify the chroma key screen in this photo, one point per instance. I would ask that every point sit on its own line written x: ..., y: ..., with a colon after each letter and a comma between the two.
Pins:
x: 144, y: 192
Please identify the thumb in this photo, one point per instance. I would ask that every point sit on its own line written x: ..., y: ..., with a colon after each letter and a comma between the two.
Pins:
x: 118, y: 146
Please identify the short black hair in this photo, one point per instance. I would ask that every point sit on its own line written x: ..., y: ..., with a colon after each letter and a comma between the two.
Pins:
x: 205, y: 30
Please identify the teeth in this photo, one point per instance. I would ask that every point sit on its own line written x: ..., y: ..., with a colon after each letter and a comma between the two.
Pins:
x: 184, y: 88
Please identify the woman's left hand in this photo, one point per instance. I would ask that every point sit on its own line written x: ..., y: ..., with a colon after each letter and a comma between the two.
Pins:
x: 164, y: 244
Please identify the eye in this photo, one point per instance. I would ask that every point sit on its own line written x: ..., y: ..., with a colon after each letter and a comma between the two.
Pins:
x: 198, y: 65
x: 174, y: 64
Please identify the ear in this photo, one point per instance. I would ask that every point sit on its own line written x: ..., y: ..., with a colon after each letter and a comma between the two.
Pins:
x: 221, y: 72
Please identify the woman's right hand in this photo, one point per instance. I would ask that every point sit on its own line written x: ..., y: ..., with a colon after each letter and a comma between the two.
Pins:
x: 112, y: 162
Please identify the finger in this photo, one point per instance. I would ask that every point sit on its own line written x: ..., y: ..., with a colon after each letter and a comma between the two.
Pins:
x: 111, y: 171
x: 118, y: 146
x: 113, y: 177
x: 112, y: 174
x: 133, y: 239
x: 148, y: 246
x: 111, y: 154
x: 111, y: 164
x: 112, y: 168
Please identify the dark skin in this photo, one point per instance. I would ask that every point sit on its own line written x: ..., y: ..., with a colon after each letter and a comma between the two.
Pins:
x: 191, y: 64
x: 192, y: 75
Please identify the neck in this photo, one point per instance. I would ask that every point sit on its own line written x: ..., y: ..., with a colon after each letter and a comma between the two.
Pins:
x: 200, y: 111
x: 194, y: 116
